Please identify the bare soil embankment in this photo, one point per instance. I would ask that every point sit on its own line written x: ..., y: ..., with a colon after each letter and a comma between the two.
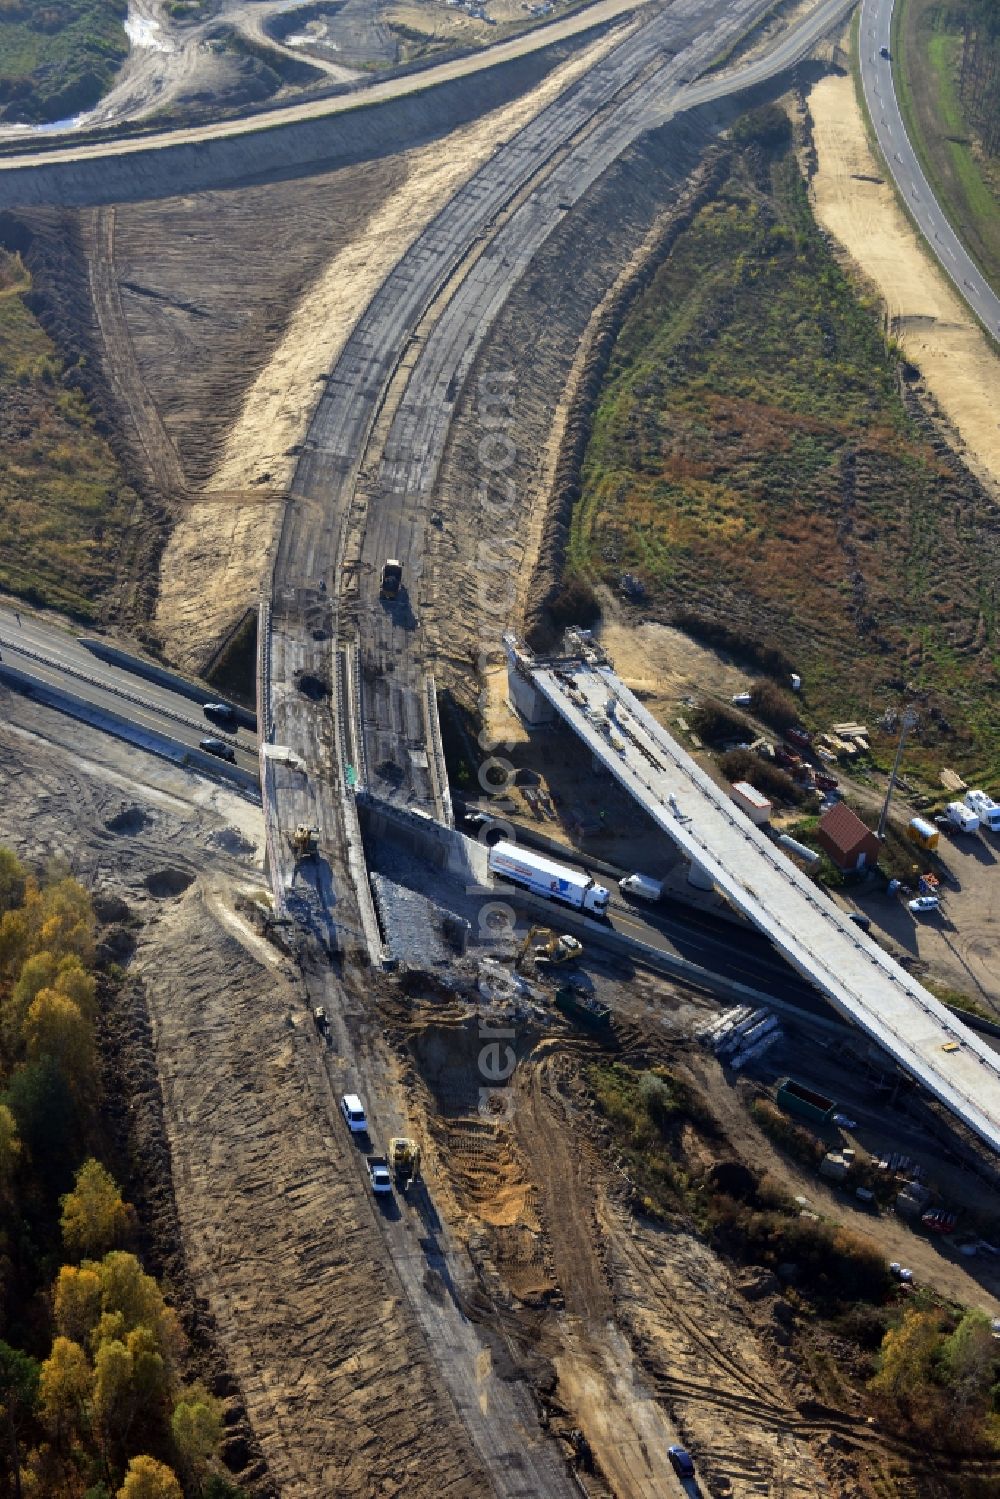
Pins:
x: 935, y: 330
x: 481, y: 574
x: 200, y: 335
x: 637, y: 1336
x: 255, y: 1208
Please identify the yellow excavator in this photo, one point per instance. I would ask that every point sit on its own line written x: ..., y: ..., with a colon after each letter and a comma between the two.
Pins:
x: 546, y: 947
x: 404, y: 1161
x: 305, y: 842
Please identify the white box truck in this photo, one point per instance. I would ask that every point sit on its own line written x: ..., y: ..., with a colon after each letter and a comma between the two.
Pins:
x: 641, y: 886
x: 544, y: 877
x: 985, y: 808
x: 962, y: 817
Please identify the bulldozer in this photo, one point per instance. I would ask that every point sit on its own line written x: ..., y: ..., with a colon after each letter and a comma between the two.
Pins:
x: 305, y: 842
x: 546, y: 947
x: 404, y: 1161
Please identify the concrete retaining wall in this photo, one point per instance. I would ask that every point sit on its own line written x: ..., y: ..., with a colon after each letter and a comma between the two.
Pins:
x: 440, y: 846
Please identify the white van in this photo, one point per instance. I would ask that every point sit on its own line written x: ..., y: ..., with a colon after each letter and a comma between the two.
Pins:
x: 353, y: 1111
x: 641, y: 886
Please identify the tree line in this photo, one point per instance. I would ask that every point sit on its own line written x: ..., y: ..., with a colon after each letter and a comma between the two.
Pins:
x: 979, y: 74
x: 93, y: 1398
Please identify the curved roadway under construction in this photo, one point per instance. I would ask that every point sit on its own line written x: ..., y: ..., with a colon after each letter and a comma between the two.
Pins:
x: 370, y: 468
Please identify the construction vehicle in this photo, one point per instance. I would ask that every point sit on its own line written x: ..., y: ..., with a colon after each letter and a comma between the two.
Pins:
x: 545, y: 946
x: 392, y: 578
x: 305, y: 841
x: 404, y: 1161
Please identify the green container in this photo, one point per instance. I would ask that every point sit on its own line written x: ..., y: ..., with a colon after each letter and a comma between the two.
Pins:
x: 796, y: 1098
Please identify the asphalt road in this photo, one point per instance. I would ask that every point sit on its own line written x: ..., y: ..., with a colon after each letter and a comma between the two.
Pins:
x: 875, y: 32
x: 56, y: 658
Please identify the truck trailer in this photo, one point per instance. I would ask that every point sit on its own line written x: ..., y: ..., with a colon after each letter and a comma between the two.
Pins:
x: 521, y: 866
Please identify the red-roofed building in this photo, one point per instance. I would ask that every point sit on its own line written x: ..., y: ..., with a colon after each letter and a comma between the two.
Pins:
x: 850, y: 843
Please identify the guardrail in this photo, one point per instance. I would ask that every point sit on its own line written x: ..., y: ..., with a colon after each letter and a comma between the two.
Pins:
x: 355, y: 852
x: 197, y: 692
x: 267, y: 786
x: 150, y: 740
x: 68, y: 670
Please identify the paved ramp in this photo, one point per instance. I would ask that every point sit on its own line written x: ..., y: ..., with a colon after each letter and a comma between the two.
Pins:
x: 853, y: 972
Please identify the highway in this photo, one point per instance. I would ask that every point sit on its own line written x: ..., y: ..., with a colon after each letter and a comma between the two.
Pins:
x: 875, y: 32
x: 54, y: 657
x: 849, y: 969
x: 360, y: 493
x: 402, y: 452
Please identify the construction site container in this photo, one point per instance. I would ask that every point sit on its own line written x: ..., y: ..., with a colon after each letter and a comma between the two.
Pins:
x: 751, y: 801
x: 923, y: 833
x: 985, y: 808
x: 796, y: 1098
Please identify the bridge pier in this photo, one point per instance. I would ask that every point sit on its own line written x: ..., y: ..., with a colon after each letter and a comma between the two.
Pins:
x: 699, y: 877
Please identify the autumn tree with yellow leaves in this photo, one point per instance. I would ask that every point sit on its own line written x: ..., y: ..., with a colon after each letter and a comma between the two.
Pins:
x: 107, y: 1412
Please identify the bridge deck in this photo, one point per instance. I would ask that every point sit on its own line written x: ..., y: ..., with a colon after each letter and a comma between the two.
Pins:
x: 853, y: 972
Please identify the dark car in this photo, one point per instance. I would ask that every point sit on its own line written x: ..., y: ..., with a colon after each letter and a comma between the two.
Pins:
x: 220, y: 713
x: 883, y: 52
x: 860, y: 919
x: 800, y: 737
x: 680, y: 1461
x: 218, y: 747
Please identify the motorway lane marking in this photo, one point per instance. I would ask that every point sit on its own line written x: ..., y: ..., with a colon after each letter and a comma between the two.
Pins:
x: 96, y: 683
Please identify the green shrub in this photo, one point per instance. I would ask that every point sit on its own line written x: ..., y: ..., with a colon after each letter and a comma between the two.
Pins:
x: 798, y: 1142
x: 718, y: 724
x: 745, y: 765
x: 775, y: 707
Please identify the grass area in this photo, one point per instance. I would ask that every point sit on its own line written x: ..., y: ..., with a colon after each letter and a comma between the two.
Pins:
x: 754, y: 461
x: 58, y: 58
x: 966, y: 181
x: 63, y: 504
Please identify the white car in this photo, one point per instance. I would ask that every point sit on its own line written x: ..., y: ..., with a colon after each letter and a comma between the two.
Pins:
x: 353, y: 1111
x: 923, y: 903
x: 378, y: 1172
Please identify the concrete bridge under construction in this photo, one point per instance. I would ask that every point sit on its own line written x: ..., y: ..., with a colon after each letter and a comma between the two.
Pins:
x: 858, y: 978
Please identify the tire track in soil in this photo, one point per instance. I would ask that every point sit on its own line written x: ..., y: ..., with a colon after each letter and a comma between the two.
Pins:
x: 163, y: 466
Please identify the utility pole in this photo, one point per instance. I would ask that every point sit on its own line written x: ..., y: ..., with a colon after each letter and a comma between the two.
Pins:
x: 908, y: 722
